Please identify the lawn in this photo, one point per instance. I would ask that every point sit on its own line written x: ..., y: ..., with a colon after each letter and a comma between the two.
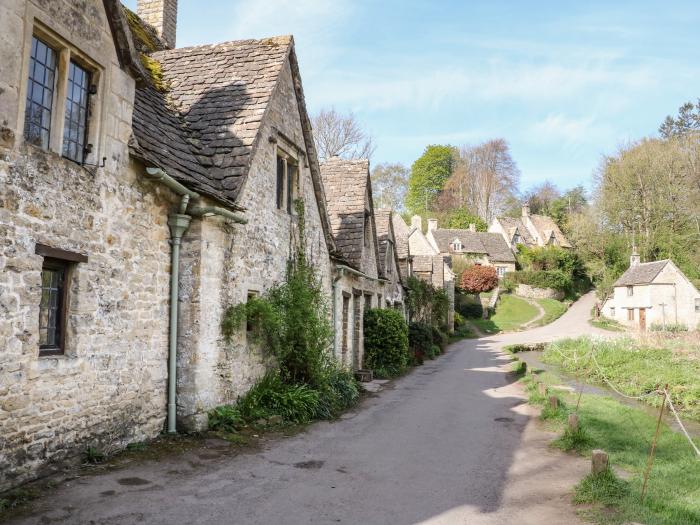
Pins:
x: 625, y: 433
x: 553, y: 310
x: 635, y: 368
x: 606, y: 323
x: 511, y: 313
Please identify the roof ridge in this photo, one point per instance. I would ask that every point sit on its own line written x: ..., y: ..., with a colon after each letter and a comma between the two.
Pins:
x: 267, y: 40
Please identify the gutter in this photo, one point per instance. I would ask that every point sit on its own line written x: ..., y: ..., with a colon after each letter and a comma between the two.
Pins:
x: 178, y: 223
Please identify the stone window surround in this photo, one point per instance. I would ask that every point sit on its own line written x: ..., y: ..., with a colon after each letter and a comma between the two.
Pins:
x: 65, y: 53
x: 69, y: 261
x: 288, y: 158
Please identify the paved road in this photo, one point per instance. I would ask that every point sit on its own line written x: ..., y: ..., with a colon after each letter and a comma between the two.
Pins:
x: 453, y: 443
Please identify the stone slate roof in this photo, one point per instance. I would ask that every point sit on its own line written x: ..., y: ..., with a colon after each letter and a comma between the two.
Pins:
x: 346, y: 184
x: 491, y: 244
x: 546, y: 227
x: 204, y: 130
x: 401, y: 233
x: 643, y: 273
x: 509, y: 224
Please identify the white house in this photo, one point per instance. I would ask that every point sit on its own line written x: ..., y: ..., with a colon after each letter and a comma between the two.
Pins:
x: 653, y: 293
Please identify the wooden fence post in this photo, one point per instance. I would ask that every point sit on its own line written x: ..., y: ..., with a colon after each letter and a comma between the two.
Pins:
x: 650, y: 461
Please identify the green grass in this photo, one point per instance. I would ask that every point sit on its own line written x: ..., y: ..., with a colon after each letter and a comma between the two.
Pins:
x: 605, y: 323
x: 633, y: 368
x: 625, y: 433
x: 553, y: 310
x: 511, y: 313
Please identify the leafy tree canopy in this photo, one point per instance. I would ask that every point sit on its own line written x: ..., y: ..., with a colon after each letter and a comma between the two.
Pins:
x: 428, y: 176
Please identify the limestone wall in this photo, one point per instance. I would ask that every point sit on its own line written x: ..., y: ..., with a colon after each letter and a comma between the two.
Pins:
x: 109, y: 386
x: 531, y: 292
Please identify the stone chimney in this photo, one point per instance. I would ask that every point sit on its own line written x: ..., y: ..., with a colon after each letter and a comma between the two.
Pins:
x: 472, y: 227
x: 634, y: 258
x: 417, y: 222
x: 162, y: 15
x: 526, y: 210
x: 432, y: 225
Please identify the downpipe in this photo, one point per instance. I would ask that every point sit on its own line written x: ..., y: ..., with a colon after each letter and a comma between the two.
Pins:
x: 179, y: 223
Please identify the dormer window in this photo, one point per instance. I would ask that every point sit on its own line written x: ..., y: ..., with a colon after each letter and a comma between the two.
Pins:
x: 516, y: 239
x: 457, y: 245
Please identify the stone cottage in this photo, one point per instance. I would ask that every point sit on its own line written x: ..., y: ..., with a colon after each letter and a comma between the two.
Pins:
x: 653, y: 293
x: 389, y: 260
x: 358, y: 279
x: 109, y: 173
x: 403, y: 252
x: 472, y: 247
x: 429, y: 264
x: 529, y: 230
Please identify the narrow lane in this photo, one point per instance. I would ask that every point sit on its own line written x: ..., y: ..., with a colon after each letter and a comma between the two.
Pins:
x: 453, y: 442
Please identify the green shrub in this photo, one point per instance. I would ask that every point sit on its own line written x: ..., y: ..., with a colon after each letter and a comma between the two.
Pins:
x: 433, y: 352
x: 386, y: 341
x: 669, y: 327
x: 227, y: 418
x: 420, y: 341
x: 556, y: 279
x: 271, y: 396
x: 339, y: 391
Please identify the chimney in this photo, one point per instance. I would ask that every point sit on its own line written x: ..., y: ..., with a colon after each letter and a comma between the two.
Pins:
x: 162, y: 15
x: 526, y: 210
x: 432, y: 225
x: 472, y: 227
x: 417, y: 222
x: 634, y: 258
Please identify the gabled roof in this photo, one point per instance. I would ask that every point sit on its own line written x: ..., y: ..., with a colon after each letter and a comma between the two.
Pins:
x: 642, y: 273
x: 491, y: 244
x: 348, y: 193
x: 385, y: 234
x: 546, y: 227
x: 511, y: 224
x: 204, y: 130
x: 401, y: 233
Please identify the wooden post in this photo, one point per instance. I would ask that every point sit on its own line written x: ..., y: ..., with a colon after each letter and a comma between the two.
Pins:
x: 650, y: 461
x: 599, y: 461
x: 573, y: 422
x: 542, y: 389
x: 553, y: 402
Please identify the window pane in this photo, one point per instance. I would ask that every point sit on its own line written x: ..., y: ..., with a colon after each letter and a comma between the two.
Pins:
x: 76, y: 113
x: 51, y: 307
x: 40, y: 90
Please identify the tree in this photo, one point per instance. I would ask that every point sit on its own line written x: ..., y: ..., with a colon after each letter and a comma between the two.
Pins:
x: 687, y: 121
x: 541, y: 197
x: 479, y: 279
x: 484, y: 179
x: 461, y: 219
x: 428, y: 176
x: 389, y: 185
x: 340, y: 135
x: 572, y: 201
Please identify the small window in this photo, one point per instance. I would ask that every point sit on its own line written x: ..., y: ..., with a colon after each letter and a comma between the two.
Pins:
x: 52, y: 308
x: 75, y: 128
x: 280, y: 182
x: 630, y: 314
x: 630, y: 291
x: 516, y: 239
x: 40, y: 91
x: 697, y: 305
x: 612, y: 311
x: 501, y: 270
x: 292, y: 185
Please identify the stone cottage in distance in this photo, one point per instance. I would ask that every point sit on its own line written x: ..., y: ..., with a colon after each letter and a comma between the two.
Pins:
x: 104, y: 186
x: 529, y: 230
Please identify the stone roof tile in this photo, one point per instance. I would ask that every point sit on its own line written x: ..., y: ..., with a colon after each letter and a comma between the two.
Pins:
x: 643, y: 273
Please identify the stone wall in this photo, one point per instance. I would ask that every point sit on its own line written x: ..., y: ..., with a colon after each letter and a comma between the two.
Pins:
x: 109, y: 387
x: 223, y: 262
x: 525, y: 290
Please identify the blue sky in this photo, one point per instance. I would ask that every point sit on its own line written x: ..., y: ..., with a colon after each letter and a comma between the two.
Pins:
x: 563, y: 82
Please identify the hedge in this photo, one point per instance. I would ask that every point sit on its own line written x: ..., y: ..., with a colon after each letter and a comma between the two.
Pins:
x: 543, y: 279
x: 386, y: 342
x: 420, y: 341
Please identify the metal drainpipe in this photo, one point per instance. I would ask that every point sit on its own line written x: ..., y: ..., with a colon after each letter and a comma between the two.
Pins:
x: 178, y: 224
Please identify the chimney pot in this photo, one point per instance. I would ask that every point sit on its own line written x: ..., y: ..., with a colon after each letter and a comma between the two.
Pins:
x: 417, y: 222
x: 162, y: 15
x: 432, y: 224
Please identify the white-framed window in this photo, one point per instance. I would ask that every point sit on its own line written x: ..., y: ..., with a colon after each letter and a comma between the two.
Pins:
x: 630, y: 291
x: 612, y: 311
x: 501, y: 271
x: 60, y: 89
x: 630, y: 314
x: 287, y: 185
x: 457, y: 245
x: 697, y: 304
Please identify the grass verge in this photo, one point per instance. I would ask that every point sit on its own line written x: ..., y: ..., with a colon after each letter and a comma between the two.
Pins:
x: 625, y: 433
x: 607, y: 324
x: 634, y: 368
x: 553, y: 310
x: 511, y: 313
